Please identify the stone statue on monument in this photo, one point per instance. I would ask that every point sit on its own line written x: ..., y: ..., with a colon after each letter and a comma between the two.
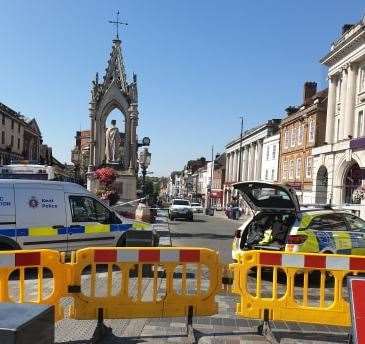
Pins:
x: 113, y: 141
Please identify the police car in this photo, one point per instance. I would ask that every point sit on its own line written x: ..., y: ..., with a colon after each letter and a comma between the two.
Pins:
x: 62, y: 216
x: 277, y: 223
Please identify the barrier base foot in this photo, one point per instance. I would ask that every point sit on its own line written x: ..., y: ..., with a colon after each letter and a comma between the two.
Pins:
x: 189, y: 327
x: 264, y: 329
x: 350, y: 339
x: 101, y: 330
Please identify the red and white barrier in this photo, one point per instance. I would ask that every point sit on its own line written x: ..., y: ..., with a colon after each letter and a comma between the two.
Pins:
x: 329, y: 262
x: 20, y: 259
x: 147, y: 256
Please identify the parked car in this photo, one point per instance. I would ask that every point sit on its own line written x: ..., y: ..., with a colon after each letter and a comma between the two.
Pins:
x: 218, y: 207
x: 197, y: 207
x: 63, y: 216
x: 181, y: 209
x: 277, y: 223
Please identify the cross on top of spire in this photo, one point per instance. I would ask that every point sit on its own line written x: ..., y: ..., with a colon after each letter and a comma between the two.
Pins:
x: 117, y: 23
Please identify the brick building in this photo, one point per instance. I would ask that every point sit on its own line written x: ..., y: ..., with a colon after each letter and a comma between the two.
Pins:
x: 303, y: 129
x: 21, y: 138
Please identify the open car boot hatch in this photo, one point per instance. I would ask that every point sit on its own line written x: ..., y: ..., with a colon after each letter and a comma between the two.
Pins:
x: 268, y: 197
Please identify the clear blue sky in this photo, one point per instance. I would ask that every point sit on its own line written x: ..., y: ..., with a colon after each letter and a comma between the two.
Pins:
x: 200, y: 64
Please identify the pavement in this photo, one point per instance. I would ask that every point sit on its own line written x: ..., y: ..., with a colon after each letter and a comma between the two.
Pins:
x: 224, y: 327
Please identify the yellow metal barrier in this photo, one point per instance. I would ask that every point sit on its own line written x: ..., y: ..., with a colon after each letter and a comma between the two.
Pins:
x: 34, y: 276
x: 144, y: 282
x: 298, y: 287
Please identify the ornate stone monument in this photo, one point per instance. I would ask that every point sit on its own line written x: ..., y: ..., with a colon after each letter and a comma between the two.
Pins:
x: 114, y: 92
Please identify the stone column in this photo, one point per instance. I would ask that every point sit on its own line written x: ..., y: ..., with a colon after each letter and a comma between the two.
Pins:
x: 350, y: 101
x: 331, y: 108
x: 227, y: 167
x: 234, y: 169
x: 92, y: 137
x: 238, y: 165
x: 231, y: 167
x: 245, y: 164
x: 249, y: 158
x: 127, y: 143
x: 252, y: 161
x: 259, y: 160
x: 133, y: 115
x: 242, y: 163
x: 343, y: 103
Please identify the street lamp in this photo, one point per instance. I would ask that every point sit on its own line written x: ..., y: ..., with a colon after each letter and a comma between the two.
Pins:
x: 146, y: 141
x: 144, y: 162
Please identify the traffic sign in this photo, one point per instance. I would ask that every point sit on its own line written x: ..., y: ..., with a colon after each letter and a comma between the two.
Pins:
x: 356, y: 287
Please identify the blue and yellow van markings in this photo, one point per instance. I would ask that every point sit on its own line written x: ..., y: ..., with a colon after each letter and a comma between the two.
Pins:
x: 77, y: 229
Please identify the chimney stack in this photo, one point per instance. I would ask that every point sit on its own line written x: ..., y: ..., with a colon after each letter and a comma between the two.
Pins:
x: 310, y: 89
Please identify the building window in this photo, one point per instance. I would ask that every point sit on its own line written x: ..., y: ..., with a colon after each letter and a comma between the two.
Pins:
x: 311, y: 131
x: 272, y: 174
x: 267, y: 152
x: 308, y: 170
x: 360, y: 124
x: 291, y: 171
x: 285, y: 170
x: 18, y: 127
x: 273, y: 152
x: 12, y: 140
x: 286, y: 139
x: 266, y: 174
x: 3, y: 137
x: 293, y: 137
x: 299, y: 168
x: 12, y: 124
x: 18, y: 143
x: 3, y: 120
x: 300, y: 134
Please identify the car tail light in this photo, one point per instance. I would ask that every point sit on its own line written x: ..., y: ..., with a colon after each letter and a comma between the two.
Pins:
x: 296, y: 239
x: 237, y: 234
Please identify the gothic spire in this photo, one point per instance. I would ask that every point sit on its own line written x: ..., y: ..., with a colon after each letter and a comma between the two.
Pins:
x: 115, y: 70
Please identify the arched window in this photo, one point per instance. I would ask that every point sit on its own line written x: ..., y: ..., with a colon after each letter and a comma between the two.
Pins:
x: 352, y: 180
x: 321, y: 185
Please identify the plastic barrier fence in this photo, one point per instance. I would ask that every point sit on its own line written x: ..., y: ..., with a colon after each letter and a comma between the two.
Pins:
x: 33, y: 276
x: 148, y: 282
x: 307, y: 288
x: 119, y: 282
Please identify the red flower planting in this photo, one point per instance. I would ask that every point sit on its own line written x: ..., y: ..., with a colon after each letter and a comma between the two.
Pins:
x: 106, y: 175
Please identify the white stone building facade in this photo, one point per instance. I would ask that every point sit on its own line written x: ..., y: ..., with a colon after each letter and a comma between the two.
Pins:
x: 338, y: 166
x: 270, y: 158
x: 244, y: 158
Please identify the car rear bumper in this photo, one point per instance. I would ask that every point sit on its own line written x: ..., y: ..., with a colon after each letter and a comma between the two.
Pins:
x: 181, y: 215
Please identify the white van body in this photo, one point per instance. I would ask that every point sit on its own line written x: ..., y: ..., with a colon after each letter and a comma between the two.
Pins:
x: 62, y: 216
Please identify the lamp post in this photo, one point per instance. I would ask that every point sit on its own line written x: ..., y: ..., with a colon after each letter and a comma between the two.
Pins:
x: 144, y: 162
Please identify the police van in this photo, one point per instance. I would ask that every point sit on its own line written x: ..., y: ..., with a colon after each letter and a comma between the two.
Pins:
x: 62, y: 216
